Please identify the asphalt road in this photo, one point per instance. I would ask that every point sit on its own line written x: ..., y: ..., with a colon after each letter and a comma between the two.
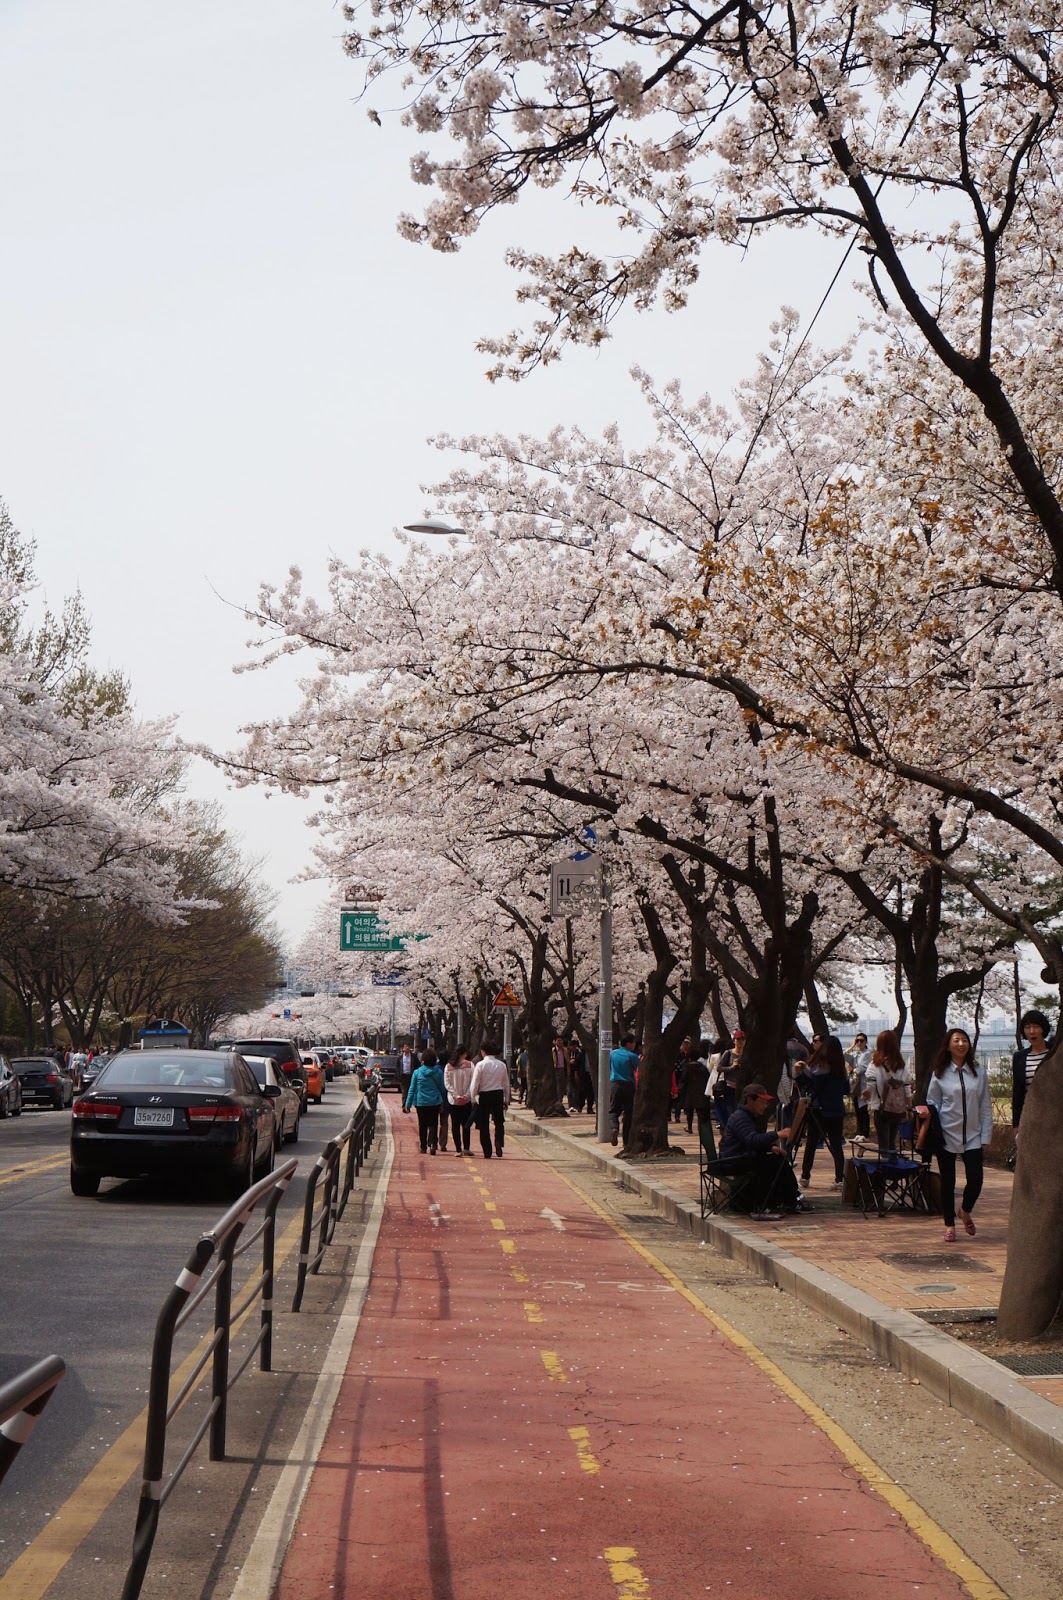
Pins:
x: 84, y: 1279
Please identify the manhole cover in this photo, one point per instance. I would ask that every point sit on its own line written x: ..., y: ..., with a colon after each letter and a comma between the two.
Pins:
x: 1048, y: 1364
x: 934, y: 1288
x: 911, y: 1261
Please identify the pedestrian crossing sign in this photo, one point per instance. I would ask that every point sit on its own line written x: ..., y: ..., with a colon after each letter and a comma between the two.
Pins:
x: 506, y: 999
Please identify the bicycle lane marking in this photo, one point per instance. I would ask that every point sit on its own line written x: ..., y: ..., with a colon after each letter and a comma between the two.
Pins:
x: 444, y: 1472
x: 938, y: 1541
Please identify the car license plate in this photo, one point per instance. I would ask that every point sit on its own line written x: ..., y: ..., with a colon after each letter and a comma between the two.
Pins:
x: 149, y: 1117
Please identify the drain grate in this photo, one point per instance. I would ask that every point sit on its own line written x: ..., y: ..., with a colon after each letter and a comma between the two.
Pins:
x: 947, y: 1314
x: 946, y: 1261
x: 1045, y: 1364
x: 933, y: 1288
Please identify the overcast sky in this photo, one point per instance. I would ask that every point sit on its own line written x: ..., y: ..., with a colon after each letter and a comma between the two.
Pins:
x: 218, y: 358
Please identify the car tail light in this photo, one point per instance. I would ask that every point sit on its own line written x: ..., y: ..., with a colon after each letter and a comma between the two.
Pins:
x: 98, y: 1110
x: 215, y: 1113
x: 51, y: 1077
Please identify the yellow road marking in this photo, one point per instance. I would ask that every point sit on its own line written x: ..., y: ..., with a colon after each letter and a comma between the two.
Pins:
x: 552, y: 1363
x: 977, y: 1582
x: 628, y: 1578
x: 532, y: 1311
x: 508, y: 1247
x: 585, y: 1455
x: 42, y: 1561
x: 31, y: 1169
x: 496, y: 1222
x: 489, y: 1205
x: 519, y: 1275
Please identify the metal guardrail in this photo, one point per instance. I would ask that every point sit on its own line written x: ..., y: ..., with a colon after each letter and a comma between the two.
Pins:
x: 217, y: 1251
x: 22, y: 1400
x: 324, y: 1181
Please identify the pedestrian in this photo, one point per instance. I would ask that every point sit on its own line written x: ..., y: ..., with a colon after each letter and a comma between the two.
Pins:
x: 859, y: 1058
x: 489, y: 1091
x: 457, y: 1077
x: 560, y: 1068
x: 407, y: 1063
x: 887, y: 1089
x: 959, y: 1092
x: 427, y: 1093
x: 725, y: 1085
x: 825, y: 1079
x: 1025, y: 1062
x: 430, y: 1059
x: 623, y: 1066
x: 588, y: 1087
x: 577, y: 1074
x: 677, y: 1101
x: 522, y: 1077
x: 696, y: 1084
x: 772, y: 1187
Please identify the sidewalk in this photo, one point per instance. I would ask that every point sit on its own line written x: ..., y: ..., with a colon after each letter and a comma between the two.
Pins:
x: 878, y: 1275
x: 507, y: 1423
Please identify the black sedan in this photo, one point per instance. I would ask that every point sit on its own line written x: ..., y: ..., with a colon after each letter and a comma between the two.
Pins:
x: 172, y: 1113
x: 44, y: 1082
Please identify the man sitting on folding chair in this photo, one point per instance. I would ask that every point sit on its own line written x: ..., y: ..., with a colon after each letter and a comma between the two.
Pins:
x: 772, y: 1187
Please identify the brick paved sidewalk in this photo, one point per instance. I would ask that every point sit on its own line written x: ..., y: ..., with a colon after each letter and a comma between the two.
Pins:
x: 899, y: 1259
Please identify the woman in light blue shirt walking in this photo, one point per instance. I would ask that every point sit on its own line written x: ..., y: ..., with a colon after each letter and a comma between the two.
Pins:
x: 959, y: 1090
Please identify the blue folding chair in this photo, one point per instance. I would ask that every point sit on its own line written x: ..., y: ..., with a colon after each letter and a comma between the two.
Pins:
x: 890, y: 1180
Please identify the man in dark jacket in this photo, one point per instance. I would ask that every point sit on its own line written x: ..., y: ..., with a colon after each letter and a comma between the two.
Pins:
x: 1024, y: 1063
x: 773, y: 1187
x: 695, y: 1084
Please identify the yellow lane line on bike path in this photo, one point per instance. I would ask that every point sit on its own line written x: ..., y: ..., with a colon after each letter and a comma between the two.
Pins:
x: 976, y: 1581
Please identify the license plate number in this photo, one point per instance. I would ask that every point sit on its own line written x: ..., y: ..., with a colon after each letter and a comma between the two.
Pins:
x: 149, y: 1117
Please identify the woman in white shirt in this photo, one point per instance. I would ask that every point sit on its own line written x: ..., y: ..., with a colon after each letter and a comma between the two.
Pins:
x: 887, y: 1089
x: 959, y: 1090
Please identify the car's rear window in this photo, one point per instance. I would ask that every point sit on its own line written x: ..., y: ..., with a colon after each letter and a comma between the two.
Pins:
x: 275, y: 1049
x: 31, y: 1063
x: 169, y: 1073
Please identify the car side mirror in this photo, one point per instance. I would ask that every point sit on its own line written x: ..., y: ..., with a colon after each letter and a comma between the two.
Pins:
x: 271, y: 1091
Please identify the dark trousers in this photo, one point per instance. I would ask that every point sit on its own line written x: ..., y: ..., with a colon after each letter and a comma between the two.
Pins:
x: 461, y: 1125
x: 725, y: 1097
x: 829, y: 1129
x: 863, y: 1117
x: 621, y: 1105
x: 972, y: 1188
x: 886, y: 1125
x: 492, y: 1109
x: 769, y: 1186
x: 428, y: 1126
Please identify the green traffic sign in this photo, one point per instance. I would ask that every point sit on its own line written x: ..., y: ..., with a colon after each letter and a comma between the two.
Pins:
x: 360, y: 930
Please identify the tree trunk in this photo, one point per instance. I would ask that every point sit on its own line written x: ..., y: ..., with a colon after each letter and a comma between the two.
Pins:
x: 542, y: 1084
x: 817, y: 1017
x: 1033, y: 1278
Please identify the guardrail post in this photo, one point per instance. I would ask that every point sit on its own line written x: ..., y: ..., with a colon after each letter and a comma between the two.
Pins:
x: 219, y: 1383
x: 308, y: 1227
x: 21, y: 1402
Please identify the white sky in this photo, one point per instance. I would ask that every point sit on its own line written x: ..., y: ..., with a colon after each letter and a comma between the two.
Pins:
x: 217, y: 358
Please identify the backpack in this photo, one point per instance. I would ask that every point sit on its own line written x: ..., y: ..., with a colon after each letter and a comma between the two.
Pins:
x: 895, y: 1099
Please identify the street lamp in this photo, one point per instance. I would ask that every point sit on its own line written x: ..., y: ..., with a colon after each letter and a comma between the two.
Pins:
x: 437, y: 525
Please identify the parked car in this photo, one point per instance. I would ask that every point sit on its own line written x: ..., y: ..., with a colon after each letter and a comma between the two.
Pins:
x: 388, y: 1068
x: 86, y: 1072
x: 10, y: 1090
x: 284, y: 1054
x: 287, y: 1106
x: 177, y: 1113
x: 44, y: 1082
x: 315, y: 1079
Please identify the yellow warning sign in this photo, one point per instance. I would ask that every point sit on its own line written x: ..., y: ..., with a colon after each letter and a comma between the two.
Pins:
x: 506, y: 999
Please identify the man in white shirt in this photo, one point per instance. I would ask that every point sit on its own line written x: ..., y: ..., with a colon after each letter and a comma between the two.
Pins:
x: 489, y: 1091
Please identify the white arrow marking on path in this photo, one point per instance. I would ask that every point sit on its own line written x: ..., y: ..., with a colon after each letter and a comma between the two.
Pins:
x: 554, y: 1220
x: 437, y: 1214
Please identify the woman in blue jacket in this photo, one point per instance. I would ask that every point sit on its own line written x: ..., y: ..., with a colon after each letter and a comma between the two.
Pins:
x: 428, y: 1094
x: 824, y: 1077
x: 959, y: 1089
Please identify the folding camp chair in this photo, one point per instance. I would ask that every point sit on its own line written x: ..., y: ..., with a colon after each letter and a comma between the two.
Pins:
x: 722, y: 1178
x: 890, y: 1180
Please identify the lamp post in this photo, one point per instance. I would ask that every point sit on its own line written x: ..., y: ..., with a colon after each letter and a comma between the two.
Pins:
x: 605, y: 1002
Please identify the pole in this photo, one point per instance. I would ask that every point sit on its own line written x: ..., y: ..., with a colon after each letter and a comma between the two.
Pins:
x: 391, y: 1046
x: 507, y: 1040
x: 605, y: 1005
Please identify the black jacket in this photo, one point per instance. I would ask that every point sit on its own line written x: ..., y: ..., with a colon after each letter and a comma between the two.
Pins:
x: 1018, y: 1079
x: 743, y: 1135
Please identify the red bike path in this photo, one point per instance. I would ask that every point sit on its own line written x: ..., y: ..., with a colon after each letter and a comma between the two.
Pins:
x: 533, y: 1412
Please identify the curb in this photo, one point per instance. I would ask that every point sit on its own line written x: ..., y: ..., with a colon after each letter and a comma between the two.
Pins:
x: 964, y: 1379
